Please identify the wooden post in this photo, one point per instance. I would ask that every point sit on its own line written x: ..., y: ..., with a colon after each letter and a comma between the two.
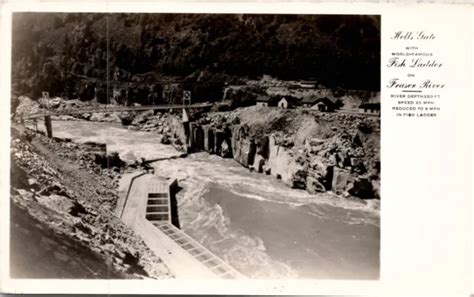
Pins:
x: 49, y: 126
x: 187, y: 130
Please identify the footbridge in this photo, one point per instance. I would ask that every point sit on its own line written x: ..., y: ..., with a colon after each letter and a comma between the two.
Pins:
x: 47, y: 114
x: 116, y: 109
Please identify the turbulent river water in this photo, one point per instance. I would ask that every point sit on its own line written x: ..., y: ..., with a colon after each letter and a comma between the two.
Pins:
x: 254, y: 222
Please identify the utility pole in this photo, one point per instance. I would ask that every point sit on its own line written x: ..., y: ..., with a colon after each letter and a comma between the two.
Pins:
x: 47, y: 118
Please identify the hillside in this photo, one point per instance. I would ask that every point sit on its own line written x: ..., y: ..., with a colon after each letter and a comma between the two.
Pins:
x: 63, y: 223
x: 74, y: 55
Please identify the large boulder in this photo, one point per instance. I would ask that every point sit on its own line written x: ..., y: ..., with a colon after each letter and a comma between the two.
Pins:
x: 34, y: 184
x: 285, y: 166
x: 55, y: 103
x: 94, y: 151
x: 362, y: 188
x: 86, y: 116
x: 26, y: 106
x: 357, y: 165
x: 165, y: 139
x: 259, y: 163
x: 243, y: 147
x: 322, y: 169
x: 142, y: 117
x: 376, y: 188
x: 225, y: 151
x: 126, y: 118
x: 263, y: 147
x: 313, y: 186
x: 341, y: 181
x: 312, y: 142
x: 105, y: 117
x: 109, y: 160
x: 267, y: 169
x: 67, y: 118
x: 54, y: 188
x: 297, y: 174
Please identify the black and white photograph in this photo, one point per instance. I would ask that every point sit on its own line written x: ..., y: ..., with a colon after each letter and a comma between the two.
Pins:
x: 195, y: 146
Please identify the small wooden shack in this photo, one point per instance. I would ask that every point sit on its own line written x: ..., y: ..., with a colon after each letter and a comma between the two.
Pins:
x: 283, y: 103
x: 309, y: 101
x: 264, y: 101
x: 287, y: 102
x: 322, y: 104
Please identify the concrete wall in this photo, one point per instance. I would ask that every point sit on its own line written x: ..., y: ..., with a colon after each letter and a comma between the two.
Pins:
x: 211, y: 140
x: 197, y: 137
x: 208, y: 139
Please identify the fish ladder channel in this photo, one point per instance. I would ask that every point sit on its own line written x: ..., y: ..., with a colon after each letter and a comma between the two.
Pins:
x: 159, y: 213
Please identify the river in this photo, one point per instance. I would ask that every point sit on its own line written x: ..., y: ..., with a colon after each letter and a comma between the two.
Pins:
x: 254, y: 222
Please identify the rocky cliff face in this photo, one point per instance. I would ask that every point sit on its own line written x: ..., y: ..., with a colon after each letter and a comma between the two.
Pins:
x: 243, y: 146
x: 314, y: 151
x: 283, y: 164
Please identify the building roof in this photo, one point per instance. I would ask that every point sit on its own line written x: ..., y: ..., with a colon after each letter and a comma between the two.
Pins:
x: 370, y: 106
x: 309, y: 100
x: 288, y: 98
x: 264, y: 99
x: 326, y: 101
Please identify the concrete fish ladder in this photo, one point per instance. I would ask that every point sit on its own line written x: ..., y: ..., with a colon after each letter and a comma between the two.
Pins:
x: 146, y: 209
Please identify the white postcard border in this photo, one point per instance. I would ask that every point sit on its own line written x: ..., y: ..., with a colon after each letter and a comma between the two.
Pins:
x: 401, y: 273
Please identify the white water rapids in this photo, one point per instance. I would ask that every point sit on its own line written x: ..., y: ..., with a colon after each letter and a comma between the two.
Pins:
x: 254, y: 222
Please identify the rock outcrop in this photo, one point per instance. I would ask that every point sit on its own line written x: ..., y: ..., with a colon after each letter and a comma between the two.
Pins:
x: 338, y: 152
x: 306, y: 149
x: 243, y: 146
x: 342, y: 180
x: 283, y: 163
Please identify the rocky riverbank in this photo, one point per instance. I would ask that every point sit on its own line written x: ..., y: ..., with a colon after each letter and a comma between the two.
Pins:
x: 67, y: 191
x: 167, y: 125
x: 306, y: 149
